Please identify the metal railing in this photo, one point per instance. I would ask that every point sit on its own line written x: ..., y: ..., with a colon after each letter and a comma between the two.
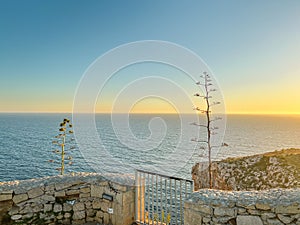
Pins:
x: 160, y: 198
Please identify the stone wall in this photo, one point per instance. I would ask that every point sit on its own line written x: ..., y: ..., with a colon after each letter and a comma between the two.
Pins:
x: 270, y: 207
x: 69, y: 199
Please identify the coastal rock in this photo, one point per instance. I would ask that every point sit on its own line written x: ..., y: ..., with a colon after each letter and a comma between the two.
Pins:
x: 248, y: 220
x: 277, y: 169
x: 20, y: 198
x: 33, y: 193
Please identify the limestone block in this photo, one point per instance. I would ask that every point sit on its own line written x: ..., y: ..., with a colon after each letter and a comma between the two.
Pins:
x: 16, y: 217
x: 97, y: 191
x: 84, y: 195
x: 285, y: 219
x: 99, y: 214
x: 48, y: 198
x: 90, y: 213
x: 128, y: 197
x: 85, y: 190
x: 49, y: 188
x: 248, y: 220
x: 5, y: 197
x: 26, y: 209
x: 72, y: 192
x: 59, y: 217
x: 62, y: 186
x: 27, y: 216
x: 291, y: 209
x: 262, y: 206
x: 88, y: 205
x: 79, y: 206
x: 36, y: 192
x: 20, y: 198
x: 96, y: 204
x: 67, y: 215
x: 47, y: 207
x: 60, y: 194
x: 274, y: 222
x: 203, y: 209
x: 78, y: 215
x: 206, y: 219
x: 57, y: 208
x: 221, y: 211
x: 14, y: 210
x: 67, y: 207
x: 254, y: 212
x: 106, y: 218
x: 192, y: 217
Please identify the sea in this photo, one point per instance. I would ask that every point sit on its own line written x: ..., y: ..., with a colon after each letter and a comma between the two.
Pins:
x: 140, y: 141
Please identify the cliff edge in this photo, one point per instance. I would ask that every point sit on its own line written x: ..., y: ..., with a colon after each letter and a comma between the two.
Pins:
x: 278, y: 169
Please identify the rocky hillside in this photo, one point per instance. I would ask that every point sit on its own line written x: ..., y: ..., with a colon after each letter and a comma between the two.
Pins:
x: 279, y: 169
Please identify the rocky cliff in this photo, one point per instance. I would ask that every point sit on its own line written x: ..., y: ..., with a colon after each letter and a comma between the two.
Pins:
x: 279, y: 169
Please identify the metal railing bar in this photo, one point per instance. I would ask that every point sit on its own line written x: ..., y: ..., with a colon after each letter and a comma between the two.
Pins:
x: 162, y: 175
x: 180, y: 202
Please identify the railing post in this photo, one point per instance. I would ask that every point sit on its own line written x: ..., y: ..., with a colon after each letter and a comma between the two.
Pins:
x: 136, y: 196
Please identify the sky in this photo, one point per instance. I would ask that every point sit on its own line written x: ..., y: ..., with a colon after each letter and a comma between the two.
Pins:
x: 252, y: 47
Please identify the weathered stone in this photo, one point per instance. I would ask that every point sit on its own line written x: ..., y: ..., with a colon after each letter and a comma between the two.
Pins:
x: 206, y: 219
x: 285, y: 219
x: 248, y: 220
x: 27, y: 216
x: 99, y: 214
x: 204, y: 209
x: 37, y: 208
x: 16, y: 217
x: 36, y: 192
x: 49, y: 188
x: 57, y: 208
x: 96, y: 204
x: 84, y: 195
x: 241, y: 210
x: 88, y: 205
x: 67, y: 215
x: 78, y: 215
x: 59, y: 217
x: 291, y: 209
x: 47, y: 207
x: 67, y: 207
x: 78, y: 222
x: 48, y: 198
x: 20, y: 198
x: 72, y: 192
x: 78, y: 206
x: 26, y: 209
x: 220, y: 211
x: 97, y: 191
x: 5, y: 197
x: 62, y: 186
x: 274, y: 222
x: 254, y: 212
x: 85, y: 190
x: 262, y: 206
x: 60, y: 194
x: 14, y: 210
x: 90, y: 213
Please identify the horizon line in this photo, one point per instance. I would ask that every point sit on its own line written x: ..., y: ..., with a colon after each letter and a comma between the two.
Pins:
x: 174, y: 113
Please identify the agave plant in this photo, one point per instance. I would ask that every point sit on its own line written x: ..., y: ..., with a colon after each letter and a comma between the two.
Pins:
x: 65, y: 133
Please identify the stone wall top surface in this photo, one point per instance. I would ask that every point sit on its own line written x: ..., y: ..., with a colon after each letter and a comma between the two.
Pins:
x: 25, y: 185
x: 227, y: 198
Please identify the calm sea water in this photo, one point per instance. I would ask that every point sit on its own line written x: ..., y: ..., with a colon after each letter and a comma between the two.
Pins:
x: 26, y: 143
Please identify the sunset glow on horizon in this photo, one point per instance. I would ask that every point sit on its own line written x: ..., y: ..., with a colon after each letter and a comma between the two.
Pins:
x: 253, y: 49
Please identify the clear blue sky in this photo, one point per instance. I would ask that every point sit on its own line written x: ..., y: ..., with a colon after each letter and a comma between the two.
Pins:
x: 253, y: 47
